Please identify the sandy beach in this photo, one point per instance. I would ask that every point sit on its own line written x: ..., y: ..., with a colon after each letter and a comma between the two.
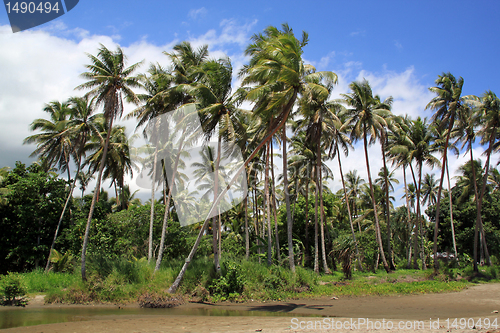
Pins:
x: 405, y: 313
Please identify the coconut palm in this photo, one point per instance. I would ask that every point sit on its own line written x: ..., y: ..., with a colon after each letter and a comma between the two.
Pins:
x: 446, y: 104
x: 429, y: 190
x: 420, y: 151
x: 109, y: 81
x: 489, y: 132
x: 155, y: 103
x: 367, y: 117
x: 277, y: 75
x: 55, y: 143
x: 81, y: 126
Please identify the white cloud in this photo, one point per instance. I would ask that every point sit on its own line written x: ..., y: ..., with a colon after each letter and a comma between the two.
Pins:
x: 195, y: 13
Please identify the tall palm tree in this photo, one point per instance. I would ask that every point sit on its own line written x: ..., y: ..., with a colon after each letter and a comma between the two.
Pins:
x: 421, y: 151
x: 155, y: 103
x: 108, y: 80
x: 218, y: 114
x: 446, y: 104
x: 398, y: 150
x: 367, y: 117
x: 490, y: 109
x: 354, y: 183
x: 81, y: 126
x: 429, y: 190
x: 279, y: 75
x: 468, y: 119
x: 340, y: 140
x: 55, y: 143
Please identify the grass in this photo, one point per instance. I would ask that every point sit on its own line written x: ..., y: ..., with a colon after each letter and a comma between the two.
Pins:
x: 126, y: 281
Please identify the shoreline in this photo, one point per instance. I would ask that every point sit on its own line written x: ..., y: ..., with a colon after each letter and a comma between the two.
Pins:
x: 479, y: 302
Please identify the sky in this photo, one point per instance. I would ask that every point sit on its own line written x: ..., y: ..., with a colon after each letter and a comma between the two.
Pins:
x: 400, y: 47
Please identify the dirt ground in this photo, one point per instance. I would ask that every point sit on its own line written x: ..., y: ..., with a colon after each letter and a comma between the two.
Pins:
x: 412, y: 313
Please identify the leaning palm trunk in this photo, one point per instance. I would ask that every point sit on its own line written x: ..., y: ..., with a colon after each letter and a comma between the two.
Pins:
x: 62, y: 213
x: 360, y: 266
x: 167, y: 204
x: 322, y: 209
x: 436, y: 226
x: 377, y: 225
x: 451, y: 210
x: 279, y: 125
x: 152, y: 214
x: 216, y: 222
x: 95, y: 198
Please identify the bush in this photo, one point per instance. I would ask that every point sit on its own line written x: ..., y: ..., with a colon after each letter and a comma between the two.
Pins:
x: 230, y: 284
x: 12, y: 290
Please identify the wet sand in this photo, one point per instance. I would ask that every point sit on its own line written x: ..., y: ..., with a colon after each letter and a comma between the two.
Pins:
x: 476, y: 302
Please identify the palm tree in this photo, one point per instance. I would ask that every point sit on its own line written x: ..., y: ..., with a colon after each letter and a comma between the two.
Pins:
x: 217, y: 110
x: 108, y: 80
x: 398, y: 147
x: 155, y: 103
x: 468, y: 119
x: 279, y: 75
x: 55, y: 143
x: 81, y: 126
x: 446, y: 104
x: 429, y: 189
x: 490, y: 109
x: 354, y: 182
x: 367, y: 117
x: 420, y: 151
x: 319, y: 122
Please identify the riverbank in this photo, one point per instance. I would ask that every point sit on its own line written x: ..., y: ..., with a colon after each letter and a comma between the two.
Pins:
x: 478, y: 302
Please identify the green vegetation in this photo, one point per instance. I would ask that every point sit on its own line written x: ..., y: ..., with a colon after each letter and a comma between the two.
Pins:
x: 122, y: 281
x: 293, y: 221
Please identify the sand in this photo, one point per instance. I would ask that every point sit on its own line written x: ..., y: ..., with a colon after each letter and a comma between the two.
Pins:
x: 411, y: 313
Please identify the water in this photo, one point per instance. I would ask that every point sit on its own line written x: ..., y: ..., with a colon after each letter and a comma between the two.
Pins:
x: 16, y: 317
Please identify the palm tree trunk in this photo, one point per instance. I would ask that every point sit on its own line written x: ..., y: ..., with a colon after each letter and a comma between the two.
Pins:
x: 360, y: 266
x: 408, y: 218
x: 322, y: 209
x: 316, y: 245
x: 268, y: 208
x: 152, y: 214
x: 216, y: 193
x: 451, y: 211
x: 307, y: 248
x: 289, y: 221
x: 279, y: 125
x: 377, y: 225
x: 388, y: 207
x: 247, y: 238
x: 436, y: 226
x: 167, y: 205
x: 483, y: 189
x: 278, y: 252
x: 419, y: 219
x: 62, y: 213
x: 94, y: 200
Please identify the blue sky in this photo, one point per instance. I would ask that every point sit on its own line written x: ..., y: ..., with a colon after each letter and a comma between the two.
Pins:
x: 399, y: 46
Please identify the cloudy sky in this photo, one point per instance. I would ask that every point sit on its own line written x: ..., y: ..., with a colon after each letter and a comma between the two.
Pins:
x: 399, y: 46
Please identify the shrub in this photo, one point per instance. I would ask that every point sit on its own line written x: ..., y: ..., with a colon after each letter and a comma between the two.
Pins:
x: 12, y: 290
x: 230, y: 284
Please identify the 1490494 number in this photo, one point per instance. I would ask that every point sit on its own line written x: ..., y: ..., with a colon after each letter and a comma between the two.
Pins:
x: 32, y: 7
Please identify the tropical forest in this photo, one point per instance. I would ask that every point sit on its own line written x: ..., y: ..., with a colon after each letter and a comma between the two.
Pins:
x: 74, y: 229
